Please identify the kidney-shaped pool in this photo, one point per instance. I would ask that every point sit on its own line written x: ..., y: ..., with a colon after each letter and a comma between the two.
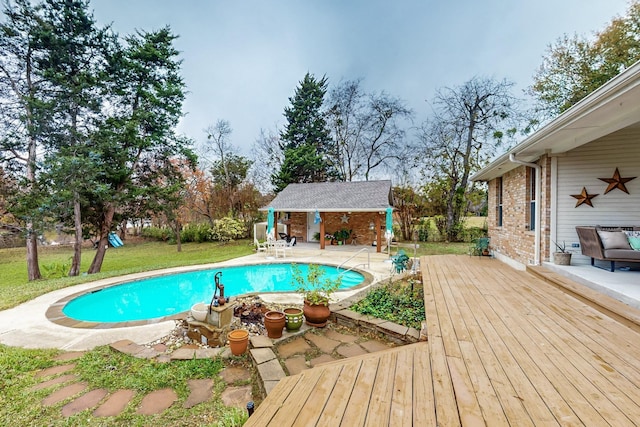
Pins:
x: 168, y: 295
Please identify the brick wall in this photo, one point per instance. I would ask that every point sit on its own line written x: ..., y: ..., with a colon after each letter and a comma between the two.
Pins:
x: 514, y: 239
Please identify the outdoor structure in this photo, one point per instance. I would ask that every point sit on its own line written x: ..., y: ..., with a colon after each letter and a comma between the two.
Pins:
x: 314, y: 211
x: 583, y: 168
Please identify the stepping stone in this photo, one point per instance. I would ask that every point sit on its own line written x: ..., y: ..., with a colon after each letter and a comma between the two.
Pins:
x: 115, y: 404
x: 325, y: 344
x: 269, y: 385
x: 296, y: 364
x: 271, y: 371
x: 201, y: 391
x: 54, y: 370
x: 331, y: 334
x: 64, y: 393
x: 372, y: 346
x: 183, y: 354
x: 233, y: 375
x: 207, y: 353
x: 260, y: 341
x: 68, y: 356
x: 160, y: 348
x: 261, y: 355
x: 127, y: 347
x: 86, y: 401
x: 350, y: 350
x: 58, y: 380
x: 237, y: 397
x: 325, y: 358
x: 157, y: 401
x: 299, y: 345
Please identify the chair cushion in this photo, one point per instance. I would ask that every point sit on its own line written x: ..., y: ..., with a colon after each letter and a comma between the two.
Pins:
x: 614, y: 240
x: 622, y: 254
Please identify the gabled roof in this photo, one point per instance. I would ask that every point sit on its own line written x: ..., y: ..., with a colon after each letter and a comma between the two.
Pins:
x: 360, y: 196
x: 613, y: 106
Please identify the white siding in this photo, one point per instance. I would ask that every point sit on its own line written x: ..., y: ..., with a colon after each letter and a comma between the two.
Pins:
x: 581, y: 168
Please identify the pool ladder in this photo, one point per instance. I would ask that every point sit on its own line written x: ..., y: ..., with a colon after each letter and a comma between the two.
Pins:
x: 368, y: 264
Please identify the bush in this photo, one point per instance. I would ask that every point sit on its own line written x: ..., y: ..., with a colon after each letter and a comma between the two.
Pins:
x: 423, y: 229
x: 157, y: 233
x: 198, y: 233
x: 400, y: 302
x: 227, y: 229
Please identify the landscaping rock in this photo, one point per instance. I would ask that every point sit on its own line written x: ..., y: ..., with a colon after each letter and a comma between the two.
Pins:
x: 297, y: 346
x: 115, y: 404
x: 325, y: 358
x: 201, y: 391
x: 233, y: 375
x: 54, y: 370
x: 64, y: 393
x: 261, y: 355
x: 157, y: 401
x: 350, y: 350
x: 323, y: 343
x: 86, y: 401
x: 236, y: 396
x: 296, y: 364
x: 372, y: 346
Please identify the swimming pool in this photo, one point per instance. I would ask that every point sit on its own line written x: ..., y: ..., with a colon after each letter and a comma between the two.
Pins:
x: 163, y: 296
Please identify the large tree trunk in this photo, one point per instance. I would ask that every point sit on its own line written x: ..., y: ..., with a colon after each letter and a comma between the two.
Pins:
x: 33, y: 268
x: 77, y: 244
x: 105, y: 228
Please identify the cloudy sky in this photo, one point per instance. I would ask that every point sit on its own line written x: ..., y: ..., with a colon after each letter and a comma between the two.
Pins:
x: 243, y: 59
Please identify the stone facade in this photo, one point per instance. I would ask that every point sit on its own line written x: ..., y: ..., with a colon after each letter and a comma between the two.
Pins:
x: 514, y: 239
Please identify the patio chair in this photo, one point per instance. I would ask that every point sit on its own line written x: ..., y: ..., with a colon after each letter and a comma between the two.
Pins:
x: 479, y: 246
x: 260, y: 247
x: 279, y: 248
x: 291, y: 241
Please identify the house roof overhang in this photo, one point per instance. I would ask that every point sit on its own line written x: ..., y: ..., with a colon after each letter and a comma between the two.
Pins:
x: 612, y: 107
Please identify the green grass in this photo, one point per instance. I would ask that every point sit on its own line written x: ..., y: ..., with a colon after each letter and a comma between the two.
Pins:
x: 131, y: 258
x: 111, y: 370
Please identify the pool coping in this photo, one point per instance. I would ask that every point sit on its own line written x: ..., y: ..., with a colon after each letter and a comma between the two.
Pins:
x: 55, y: 314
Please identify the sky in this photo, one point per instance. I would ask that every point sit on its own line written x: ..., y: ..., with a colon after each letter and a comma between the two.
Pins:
x: 242, y: 60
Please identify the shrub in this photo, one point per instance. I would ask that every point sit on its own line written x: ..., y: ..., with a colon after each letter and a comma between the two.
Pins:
x: 423, y: 228
x: 157, y: 233
x: 198, y: 233
x: 227, y: 229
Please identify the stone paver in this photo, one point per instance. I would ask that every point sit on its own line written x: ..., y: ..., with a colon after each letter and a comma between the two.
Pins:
x: 127, y: 347
x: 296, y: 364
x: 115, y: 404
x: 271, y: 371
x: 54, y: 381
x: 269, y: 385
x: 261, y: 355
x: 325, y: 358
x: 297, y: 346
x: 394, y: 329
x: 350, y: 350
x: 86, y: 401
x: 147, y: 353
x: 183, y: 354
x: 64, y: 357
x: 372, y: 346
x: 334, y: 335
x: 54, y: 370
x: 64, y: 393
x: 157, y: 401
x: 260, y: 341
x: 201, y: 390
x: 323, y: 343
x: 207, y: 353
x: 236, y: 396
x: 234, y: 374
x: 160, y: 348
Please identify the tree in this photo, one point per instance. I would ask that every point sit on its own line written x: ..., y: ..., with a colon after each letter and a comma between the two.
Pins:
x: 267, y: 158
x: 366, y: 129
x: 462, y: 136
x: 305, y: 140
x: 142, y: 157
x: 575, y: 66
x: 409, y: 208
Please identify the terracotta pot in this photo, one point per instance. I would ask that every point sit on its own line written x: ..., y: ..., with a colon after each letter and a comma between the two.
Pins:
x: 316, y: 314
x: 274, y: 321
x: 293, y: 318
x: 238, y: 341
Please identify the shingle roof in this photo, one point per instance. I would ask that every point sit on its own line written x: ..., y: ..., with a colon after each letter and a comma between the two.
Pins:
x: 359, y: 196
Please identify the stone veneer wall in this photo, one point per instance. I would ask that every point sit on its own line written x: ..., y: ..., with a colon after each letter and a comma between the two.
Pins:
x: 514, y: 239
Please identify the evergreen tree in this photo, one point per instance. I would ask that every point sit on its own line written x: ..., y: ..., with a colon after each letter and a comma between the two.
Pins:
x: 305, y: 141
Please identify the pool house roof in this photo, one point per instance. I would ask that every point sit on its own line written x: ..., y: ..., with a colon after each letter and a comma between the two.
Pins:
x: 358, y: 196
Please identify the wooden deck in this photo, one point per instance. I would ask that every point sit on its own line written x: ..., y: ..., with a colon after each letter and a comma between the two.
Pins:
x: 505, y: 348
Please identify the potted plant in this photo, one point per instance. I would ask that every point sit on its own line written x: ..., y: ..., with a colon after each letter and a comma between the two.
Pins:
x: 561, y: 256
x: 316, y: 291
x: 342, y: 235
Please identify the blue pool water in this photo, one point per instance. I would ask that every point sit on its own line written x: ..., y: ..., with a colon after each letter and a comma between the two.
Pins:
x: 172, y: 294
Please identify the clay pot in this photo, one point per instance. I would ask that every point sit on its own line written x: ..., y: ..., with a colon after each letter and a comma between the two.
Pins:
x: 316, y: 314
x: 238, y: 341
x: 274, y: 321
x: 293, y: 318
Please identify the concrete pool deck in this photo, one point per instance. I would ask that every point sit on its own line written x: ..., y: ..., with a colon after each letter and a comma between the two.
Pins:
x: 28, y: 326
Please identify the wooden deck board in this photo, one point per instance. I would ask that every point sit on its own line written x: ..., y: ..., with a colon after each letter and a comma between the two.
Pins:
x: 505, y: 348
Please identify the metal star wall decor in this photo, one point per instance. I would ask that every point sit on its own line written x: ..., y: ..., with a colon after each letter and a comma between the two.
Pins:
x: 617, y: 182
x: 345, y: 219
x: 584, y: 197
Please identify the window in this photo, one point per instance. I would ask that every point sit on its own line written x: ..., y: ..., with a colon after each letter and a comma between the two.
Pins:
x: 499, y: 200
x: 532, y: 198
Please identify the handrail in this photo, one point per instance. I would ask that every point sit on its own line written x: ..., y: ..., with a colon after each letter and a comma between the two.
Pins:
x: 353, y: 256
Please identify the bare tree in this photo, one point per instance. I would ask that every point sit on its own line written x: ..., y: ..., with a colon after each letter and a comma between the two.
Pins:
x: 267, y: 158
x: 367, y: 129
x: 218, y: 141
x: 466, y: 129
